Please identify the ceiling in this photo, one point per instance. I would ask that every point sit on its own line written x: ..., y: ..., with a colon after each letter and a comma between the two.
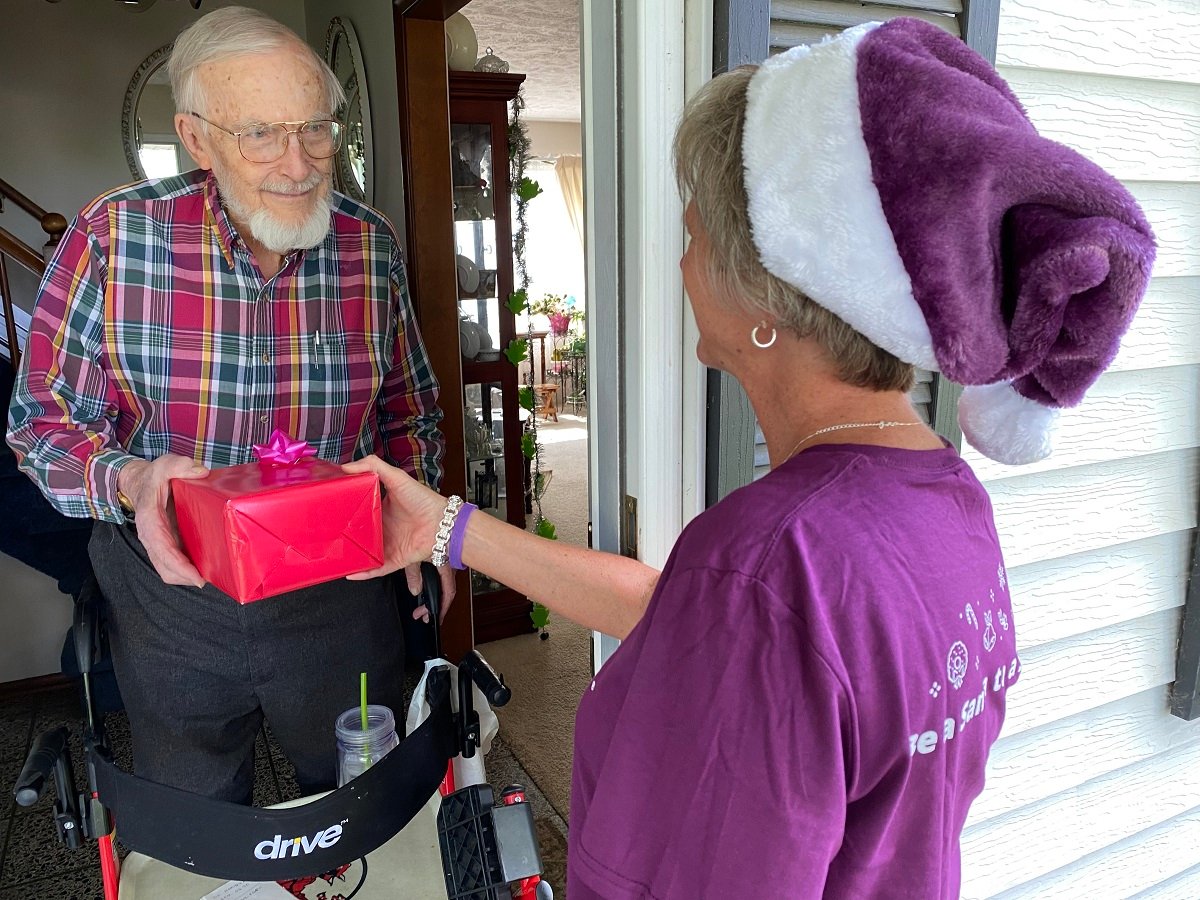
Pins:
x: 539, y: 38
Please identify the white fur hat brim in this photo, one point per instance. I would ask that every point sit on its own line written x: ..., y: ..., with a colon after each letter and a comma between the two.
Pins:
x: 803, y: 144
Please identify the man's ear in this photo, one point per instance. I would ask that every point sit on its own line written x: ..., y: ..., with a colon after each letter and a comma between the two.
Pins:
x: 196, y: 144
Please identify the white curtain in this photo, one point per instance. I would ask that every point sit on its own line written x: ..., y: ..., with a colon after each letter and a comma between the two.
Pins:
x: 569, y: 170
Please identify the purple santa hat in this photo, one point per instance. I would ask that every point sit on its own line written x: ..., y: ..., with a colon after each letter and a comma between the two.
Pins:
x: 894, y: 179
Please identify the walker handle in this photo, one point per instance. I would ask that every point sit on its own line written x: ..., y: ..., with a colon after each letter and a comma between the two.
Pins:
x: 486, y: 678
x: 43, y: 757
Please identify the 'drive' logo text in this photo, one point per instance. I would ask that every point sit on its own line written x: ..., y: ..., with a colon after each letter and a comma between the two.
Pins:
x: 278, y: 847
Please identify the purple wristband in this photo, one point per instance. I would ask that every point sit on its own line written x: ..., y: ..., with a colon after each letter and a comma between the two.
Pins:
x: 458, y: 533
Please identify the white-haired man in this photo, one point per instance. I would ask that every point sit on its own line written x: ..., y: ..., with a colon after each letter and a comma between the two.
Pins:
x: 180, y: 322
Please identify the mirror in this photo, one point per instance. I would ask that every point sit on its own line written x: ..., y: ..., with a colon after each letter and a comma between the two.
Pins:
x: 152, y: 148
x: 352, y: 169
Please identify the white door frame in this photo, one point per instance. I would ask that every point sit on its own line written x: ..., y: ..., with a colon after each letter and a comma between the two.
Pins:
x: 598, y: 81
x: 639, y: 62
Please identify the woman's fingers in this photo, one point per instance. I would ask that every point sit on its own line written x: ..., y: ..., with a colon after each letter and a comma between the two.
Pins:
x: 389, y: 476
x: 378, y: 572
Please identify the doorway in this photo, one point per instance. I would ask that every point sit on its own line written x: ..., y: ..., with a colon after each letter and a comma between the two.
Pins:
x: 548, y: 670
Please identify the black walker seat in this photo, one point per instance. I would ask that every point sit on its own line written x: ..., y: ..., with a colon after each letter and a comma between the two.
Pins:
x: 245, y: 843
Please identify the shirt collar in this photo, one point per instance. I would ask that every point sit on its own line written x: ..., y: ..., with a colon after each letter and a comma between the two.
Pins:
x: 218, y: 220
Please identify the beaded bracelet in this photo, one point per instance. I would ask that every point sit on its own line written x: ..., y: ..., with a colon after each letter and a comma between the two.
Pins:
x: 458, y: 533
x: 442, y: 538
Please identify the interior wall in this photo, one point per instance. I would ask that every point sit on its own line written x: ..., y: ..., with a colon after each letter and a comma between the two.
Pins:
x: 35, y: 618
x: 550, y: 138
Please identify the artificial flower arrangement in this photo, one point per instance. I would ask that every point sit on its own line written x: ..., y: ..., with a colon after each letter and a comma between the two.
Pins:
x: 559, y: 309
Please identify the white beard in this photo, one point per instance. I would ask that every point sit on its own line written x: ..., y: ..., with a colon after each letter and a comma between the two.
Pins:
x: 283, y: 237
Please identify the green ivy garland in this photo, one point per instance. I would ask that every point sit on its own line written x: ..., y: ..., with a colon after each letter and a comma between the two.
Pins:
x: 524, y: 189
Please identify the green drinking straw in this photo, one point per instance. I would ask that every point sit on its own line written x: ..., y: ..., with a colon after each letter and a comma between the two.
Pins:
x: 362, y: 703
x: 362, y: 692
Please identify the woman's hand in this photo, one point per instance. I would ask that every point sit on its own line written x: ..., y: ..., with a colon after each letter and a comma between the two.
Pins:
x: 411, y: 516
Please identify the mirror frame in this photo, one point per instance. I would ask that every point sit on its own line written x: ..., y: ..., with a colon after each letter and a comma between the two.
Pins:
x: 133, y: 93
x: 341, y: 36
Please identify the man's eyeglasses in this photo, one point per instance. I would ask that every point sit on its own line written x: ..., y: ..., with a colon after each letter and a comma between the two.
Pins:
x: 266, y: 142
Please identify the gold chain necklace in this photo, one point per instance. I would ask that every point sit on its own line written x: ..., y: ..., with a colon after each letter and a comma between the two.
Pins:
x: 829, y: 428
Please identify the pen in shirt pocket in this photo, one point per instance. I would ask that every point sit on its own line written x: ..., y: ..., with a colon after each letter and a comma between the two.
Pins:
x: 316, y: 349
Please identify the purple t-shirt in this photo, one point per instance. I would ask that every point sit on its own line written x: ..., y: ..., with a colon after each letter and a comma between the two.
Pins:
x: 806, y: 708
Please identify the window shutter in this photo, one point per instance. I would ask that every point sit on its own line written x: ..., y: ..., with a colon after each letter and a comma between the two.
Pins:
x: 795, y: 22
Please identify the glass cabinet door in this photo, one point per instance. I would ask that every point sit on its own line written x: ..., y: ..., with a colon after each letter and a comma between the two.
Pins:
x: 483, y: 418
x: 475, y: 240
x: 487, y: 485
x: 492, y: 416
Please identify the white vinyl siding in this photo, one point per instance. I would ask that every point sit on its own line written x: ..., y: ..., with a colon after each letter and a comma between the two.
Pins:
x: 1094, y: 788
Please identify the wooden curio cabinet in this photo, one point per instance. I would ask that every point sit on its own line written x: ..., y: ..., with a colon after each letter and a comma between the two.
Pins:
x: 496, y: 469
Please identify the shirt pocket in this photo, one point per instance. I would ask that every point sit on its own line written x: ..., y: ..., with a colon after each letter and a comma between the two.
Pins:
x: 341, y: 371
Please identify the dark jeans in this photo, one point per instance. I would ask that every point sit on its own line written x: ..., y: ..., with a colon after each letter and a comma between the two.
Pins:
x: 198, y: 671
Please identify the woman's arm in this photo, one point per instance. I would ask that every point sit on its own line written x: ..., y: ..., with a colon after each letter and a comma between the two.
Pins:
x: 601, y: 591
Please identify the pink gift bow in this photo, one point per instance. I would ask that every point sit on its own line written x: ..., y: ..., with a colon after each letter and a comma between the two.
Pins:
x: 281, y: 450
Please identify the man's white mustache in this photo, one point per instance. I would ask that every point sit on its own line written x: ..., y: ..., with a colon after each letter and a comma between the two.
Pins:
x: 294, y: 187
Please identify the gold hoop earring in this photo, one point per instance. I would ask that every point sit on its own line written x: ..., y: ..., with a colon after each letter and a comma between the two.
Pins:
x: 758, y: 342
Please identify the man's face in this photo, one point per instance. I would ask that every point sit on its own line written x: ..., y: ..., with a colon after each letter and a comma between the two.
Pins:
x: 283, y: 204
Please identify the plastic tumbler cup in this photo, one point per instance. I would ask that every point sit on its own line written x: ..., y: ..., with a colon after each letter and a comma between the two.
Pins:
x: 358, y: 750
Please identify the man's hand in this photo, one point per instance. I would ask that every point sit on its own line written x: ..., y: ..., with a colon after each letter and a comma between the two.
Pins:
x: 411, y: 515
x: 148, y: 487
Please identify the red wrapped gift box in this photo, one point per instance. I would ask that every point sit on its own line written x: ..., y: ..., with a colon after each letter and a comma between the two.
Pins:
x: 258, y: 530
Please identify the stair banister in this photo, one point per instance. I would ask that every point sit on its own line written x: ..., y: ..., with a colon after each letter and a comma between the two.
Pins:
x: 54, y: 224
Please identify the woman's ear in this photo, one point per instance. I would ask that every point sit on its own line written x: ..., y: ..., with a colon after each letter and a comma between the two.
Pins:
x: 193, y: 141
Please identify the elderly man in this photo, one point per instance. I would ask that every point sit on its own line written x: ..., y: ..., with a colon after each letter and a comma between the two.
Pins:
x: 180, y: 322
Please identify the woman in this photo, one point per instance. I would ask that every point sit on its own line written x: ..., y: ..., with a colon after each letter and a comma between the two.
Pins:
x: 805, y: 697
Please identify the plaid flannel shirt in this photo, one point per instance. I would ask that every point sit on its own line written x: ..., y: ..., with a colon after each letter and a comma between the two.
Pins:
x: 154, y: 333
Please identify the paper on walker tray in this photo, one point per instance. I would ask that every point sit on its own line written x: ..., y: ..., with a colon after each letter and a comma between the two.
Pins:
x: 248, y: 890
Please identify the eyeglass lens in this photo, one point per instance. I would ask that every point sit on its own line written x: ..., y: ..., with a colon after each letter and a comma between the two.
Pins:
x: 266, y: 143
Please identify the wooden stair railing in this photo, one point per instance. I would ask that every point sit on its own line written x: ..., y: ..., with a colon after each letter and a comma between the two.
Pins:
x: 54, y: 224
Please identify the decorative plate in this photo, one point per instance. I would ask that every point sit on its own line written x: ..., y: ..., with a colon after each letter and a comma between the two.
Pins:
x: 468, y: 274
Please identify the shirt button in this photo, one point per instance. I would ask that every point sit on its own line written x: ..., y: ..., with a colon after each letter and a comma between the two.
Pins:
x: 266, y: 357
x: 263, y: 419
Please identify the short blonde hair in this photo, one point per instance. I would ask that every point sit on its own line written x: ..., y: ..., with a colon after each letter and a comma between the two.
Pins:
x: 709, y: 170
x: 237, y: 31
